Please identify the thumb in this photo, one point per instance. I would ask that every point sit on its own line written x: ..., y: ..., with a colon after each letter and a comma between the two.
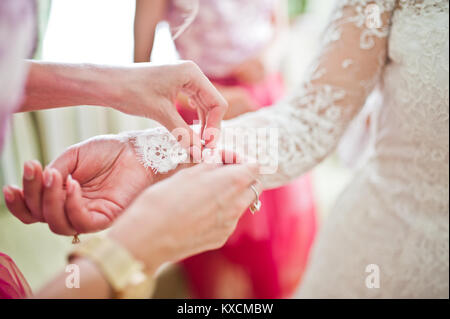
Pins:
x: 66, y: 163
x: 180, y: 130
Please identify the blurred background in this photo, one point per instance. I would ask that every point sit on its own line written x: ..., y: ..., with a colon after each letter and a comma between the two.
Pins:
x: 101, y: 31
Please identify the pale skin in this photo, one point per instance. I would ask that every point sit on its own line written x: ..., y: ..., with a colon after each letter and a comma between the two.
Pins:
x: 214, y: 197
x: 98, y: 198
x: 150, y: 13
x: 146, y: 90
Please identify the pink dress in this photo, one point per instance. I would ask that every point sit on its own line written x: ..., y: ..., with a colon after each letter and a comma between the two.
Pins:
x: 267, y: 254
x: 17, y: 40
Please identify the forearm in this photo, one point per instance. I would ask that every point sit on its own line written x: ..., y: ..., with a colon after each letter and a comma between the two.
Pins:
x: 309, y: 124
x: 53, y: 85
x: 92, y: 284
x: 87, y: 278
x: 148, y: 15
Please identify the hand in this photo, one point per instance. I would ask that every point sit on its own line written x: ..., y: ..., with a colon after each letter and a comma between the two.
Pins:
x: 83, y: 190
x: 149, y: 90
x: 195, y: 210
x: 142, y: 89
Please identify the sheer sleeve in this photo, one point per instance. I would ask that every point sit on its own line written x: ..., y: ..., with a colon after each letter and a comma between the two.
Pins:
x: 310, y: 122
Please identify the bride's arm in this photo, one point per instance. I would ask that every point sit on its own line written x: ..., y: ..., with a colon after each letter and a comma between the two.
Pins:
x: 311, y: 121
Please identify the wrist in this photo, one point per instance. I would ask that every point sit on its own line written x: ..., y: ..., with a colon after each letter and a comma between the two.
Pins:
x: 140, y: 238
x: 127, y: 277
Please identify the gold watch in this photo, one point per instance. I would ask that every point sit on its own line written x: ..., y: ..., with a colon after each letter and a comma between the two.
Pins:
x: 124, y: 273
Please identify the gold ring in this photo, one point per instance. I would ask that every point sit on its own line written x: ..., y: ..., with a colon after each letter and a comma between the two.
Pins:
x: 256, y: 205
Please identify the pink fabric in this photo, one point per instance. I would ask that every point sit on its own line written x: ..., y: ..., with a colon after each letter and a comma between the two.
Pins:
x: 12, y: 283
x: 270, y: 248
x: 17, y: 40
x: 223, y: 33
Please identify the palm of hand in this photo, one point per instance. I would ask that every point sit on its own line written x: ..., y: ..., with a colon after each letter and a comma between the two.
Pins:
x: 109, y: 175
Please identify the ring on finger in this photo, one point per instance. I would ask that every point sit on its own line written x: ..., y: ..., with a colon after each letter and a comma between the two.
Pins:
x: 256, y: 205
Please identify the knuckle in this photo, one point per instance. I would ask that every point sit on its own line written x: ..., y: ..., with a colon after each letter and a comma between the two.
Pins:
x: 26, y: 221
x: 222, y: 240
x: 80, y: 228
x: 189, y: 65
x: 55, y: 229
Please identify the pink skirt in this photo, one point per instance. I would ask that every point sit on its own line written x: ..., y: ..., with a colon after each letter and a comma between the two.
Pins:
x: 267, y: 254
x: 12, y: 283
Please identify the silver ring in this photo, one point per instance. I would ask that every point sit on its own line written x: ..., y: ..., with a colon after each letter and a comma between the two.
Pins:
x: 256, y: 205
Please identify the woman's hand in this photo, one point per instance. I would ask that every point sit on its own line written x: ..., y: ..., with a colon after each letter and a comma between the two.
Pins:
x: 150, y: 91
x: 84, y: 189
x: 142, y: 89
x: 195, y: 210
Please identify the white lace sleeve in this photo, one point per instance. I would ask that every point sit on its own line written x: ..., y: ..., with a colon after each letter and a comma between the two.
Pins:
x: 311, y: 121
x: 157, y: 149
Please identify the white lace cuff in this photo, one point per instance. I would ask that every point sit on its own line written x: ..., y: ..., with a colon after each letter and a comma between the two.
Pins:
x: 158, y: 149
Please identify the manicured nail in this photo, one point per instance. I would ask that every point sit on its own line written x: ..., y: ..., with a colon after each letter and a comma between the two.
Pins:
x: 48, y: 177
x: 28, y: 171
x: 70, y: 185
x: 9, y: 195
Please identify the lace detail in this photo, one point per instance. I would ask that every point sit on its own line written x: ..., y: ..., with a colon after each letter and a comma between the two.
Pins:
x: 366, y: 17
x: 158, y: 149
x: 396, y: 212
x: 311, y: 121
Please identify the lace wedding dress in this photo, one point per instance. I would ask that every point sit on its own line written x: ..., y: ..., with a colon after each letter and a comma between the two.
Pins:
x: 395, y: 213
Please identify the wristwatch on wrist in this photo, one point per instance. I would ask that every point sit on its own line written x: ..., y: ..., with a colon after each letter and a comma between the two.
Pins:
x: 124, y: 273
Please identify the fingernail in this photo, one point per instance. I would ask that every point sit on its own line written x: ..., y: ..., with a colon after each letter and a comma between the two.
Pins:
x: 48, y: 177
x: 69, y: 184
x: 28, y: 171
x: 9, y: 195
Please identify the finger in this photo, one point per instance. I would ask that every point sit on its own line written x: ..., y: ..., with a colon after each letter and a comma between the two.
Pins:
x: 82, y: 220
x: 231, y: 179
x: 32, y: 188
x: 66, y: 163
x: 247, y: 197
x: 209, y: 133
x: 242, y: 194
x: 205, y: 94
x: 196, y: 154
x: 211, y: 137
x: 235, y: 190
x: 53, y: 203
x: 15, y: 202
x: 213, y: 124
x: 175, y: 123
x: 202, y: 118
x: 212, y: 156
x: 231, y: 157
